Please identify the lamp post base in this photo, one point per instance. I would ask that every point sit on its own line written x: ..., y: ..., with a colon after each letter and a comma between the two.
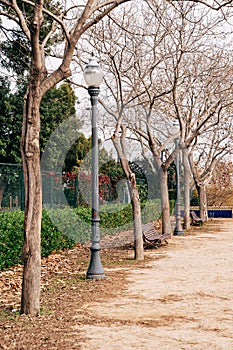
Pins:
x: 95, y: 270
x: 178, y: 232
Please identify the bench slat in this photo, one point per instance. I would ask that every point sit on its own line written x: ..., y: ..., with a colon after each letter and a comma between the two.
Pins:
x: 150, y: 235
x: 195, y: 218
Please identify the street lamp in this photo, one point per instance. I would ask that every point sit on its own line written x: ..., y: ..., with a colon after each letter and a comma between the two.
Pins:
x: 93, y: 76
x: 178, y: 231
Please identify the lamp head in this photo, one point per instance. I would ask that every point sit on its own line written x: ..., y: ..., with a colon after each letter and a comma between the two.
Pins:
x: 93, y: 73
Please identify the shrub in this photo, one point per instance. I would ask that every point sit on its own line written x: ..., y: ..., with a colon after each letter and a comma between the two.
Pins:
x: 12, y: 231
x: 69, y: 225
x: 62, y: 228
x: 11, y: 238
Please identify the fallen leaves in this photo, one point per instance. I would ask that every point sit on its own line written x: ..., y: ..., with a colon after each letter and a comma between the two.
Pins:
x: 65, y: 298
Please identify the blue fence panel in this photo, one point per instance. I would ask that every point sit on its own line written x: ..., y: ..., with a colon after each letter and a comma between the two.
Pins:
x: 217, y: 213
x: 220, y: 213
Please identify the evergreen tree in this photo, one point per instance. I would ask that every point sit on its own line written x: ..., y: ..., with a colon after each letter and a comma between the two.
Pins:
x: 57, y: 105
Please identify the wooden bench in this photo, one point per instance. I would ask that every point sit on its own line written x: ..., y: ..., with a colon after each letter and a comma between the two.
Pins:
x: 195, y: 219
x: 151, y: 237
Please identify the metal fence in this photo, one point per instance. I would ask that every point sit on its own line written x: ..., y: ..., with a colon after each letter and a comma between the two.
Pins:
x: 58, y: 189
x: 11, y: 186
x: 226, y: 213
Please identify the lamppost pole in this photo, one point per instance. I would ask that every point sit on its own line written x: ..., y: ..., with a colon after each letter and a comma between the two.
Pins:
x: 93, y: 76
x: 178, y: 231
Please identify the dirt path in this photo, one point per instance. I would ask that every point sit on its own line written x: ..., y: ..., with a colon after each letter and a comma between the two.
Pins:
x: 181, y: 301
x: 179, y: 298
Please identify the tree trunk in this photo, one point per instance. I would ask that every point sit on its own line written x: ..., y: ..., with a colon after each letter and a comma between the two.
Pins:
x: 2, y: 190
x: 165, y: 204
x: 186, y: 200
x: 138, y: 239
x: 135, y: 200
x: 186, y: 192
x: 202, y: 202
x: 30, y: 299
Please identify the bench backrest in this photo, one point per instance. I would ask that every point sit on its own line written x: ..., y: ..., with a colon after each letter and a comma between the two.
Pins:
x: 194, y: 215
x: 149, y: 232
x: 148, y: 227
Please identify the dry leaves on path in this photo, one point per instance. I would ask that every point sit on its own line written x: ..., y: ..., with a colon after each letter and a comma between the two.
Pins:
x: 65, y: 293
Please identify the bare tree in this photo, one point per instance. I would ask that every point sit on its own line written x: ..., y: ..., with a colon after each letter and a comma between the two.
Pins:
x: 207, y: 152
x: 68, y: 23
x: 119, y: 141
x: 113, y: 47
x: 177, y: 90
x: 199, y: 74
x: 220, y: 186
x: 187, y: 185
x: 128, y: 53
x: 166, y: 64
x: 205, y: 105
x: 216, y: 4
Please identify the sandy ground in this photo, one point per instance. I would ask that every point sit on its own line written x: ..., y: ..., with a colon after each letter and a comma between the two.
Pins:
x: 181, y: 301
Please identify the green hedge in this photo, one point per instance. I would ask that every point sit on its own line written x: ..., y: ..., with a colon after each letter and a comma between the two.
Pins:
x: 62, y: 228
x: 11, y: 238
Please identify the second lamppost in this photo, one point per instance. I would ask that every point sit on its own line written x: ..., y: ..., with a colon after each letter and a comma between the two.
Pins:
x: 93, y: 76
x: 178, y: 231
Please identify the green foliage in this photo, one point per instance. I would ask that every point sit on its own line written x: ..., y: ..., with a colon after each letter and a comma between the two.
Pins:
x: 172, y: 205
x: 10, y: 124
x: 51, y: 238
x: 118, y: 217
x: 16, y: 53
x: 147, y: 179
x: 62, y: 228
x: 194, y: 198
x: 115, y: 217
x: 142, y: 184
x: 72, y: 225
x: 10, y: 184
x: 57, y: 105
x: 115, y: 173
x: 151, y: 211
x: 11, y: 238
x: 77, y: 152
x: 15, y: 49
